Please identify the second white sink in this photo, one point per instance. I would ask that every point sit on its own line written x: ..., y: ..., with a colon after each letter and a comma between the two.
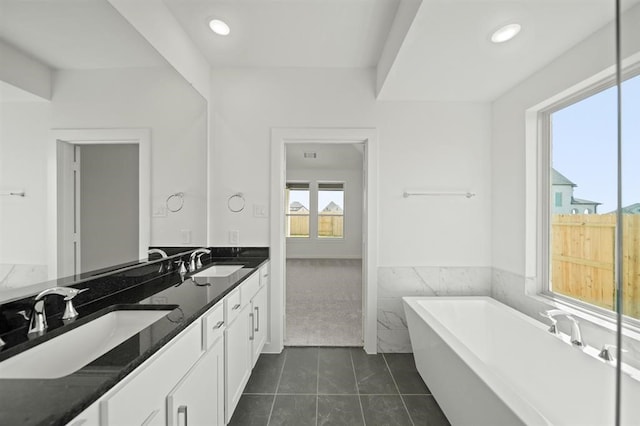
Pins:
x: 69, y: 352
x: 218, y: 271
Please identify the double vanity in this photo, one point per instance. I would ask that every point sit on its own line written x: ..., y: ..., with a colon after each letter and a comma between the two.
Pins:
x: 149, y: 346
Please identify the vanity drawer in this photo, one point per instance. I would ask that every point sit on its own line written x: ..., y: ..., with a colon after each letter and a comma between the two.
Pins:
x: 232, y: 306
x: 250, y: 287
x: 212, y: 325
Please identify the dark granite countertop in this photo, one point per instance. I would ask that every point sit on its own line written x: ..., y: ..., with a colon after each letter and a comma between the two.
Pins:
x: 57, y: 401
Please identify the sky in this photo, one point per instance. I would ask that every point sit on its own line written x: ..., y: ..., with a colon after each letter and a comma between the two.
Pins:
x: 584, y: 146
x: 324, y: 198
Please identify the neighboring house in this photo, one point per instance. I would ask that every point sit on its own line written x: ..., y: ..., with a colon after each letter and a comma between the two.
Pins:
x: 332, y: 208
x: 298, y: 208
x: 562, y: 198
x: 630, y: 209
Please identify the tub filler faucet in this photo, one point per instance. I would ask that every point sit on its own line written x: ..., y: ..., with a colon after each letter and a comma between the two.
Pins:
x: 576, y: 335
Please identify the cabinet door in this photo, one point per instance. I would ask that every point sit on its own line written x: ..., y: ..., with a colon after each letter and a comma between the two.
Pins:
x: 260, y: 323
x: 140, y: 399
x: 237, y: 358
x: 196, y: 399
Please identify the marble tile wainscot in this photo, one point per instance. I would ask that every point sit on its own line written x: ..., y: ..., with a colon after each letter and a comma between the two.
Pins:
x: 396, y: 282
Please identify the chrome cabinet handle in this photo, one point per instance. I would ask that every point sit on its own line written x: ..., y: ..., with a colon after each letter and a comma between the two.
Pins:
x: 253, y: 334
x: 235, y: 307
x: 257, y: 308
x: 183, y: 410
x: 218, y: 325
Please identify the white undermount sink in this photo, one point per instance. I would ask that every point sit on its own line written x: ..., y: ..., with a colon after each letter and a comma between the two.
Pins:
x: 69, y: 352
x: 218, y: 271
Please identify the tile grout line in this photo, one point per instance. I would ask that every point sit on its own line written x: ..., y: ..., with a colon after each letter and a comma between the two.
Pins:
x: 273, y: 403
x: 398, y: 389
x: 355, y: 377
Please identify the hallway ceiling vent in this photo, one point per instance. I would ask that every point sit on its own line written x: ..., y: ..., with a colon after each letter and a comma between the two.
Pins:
x: 310, y: 155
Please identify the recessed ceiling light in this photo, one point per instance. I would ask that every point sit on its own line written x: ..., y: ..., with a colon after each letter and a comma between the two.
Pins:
x: 219, y: 27
x: 505, y: 33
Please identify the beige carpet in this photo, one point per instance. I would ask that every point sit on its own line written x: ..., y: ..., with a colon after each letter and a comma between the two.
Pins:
x: 324, y: 302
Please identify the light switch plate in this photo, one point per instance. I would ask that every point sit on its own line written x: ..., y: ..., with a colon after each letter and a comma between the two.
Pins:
x: 159, y: 211
x: 234, y: 237
x: 185, y: 235
x: 260, y: 210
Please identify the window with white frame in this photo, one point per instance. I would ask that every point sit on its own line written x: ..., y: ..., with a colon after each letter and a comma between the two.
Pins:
x: 582, y: 198
x: 297, y: 209
x: 330, y: 210
x: 315, y: 210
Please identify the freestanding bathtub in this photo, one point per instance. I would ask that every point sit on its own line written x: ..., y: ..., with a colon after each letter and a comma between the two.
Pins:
x: 488, y: 364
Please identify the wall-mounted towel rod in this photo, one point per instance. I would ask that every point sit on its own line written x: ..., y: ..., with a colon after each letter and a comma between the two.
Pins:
x: 15, y: 193
x: 408, y: 193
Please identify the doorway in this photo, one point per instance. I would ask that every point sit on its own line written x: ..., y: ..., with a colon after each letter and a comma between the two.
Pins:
x: 281, y: 139
x: 323, y: 231
x: 97, y: 206
x: 100, y: 208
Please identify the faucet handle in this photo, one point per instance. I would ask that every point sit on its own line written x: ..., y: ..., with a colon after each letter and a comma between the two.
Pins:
x: 73, y: 292
x: 69, y: 311
x: 553, y: 328
x: 605, y: 352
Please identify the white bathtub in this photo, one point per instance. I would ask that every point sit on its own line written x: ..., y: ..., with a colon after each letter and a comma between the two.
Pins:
x: 488, y: 364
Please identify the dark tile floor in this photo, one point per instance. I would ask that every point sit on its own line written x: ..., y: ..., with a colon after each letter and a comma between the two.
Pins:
x: 336, y: 386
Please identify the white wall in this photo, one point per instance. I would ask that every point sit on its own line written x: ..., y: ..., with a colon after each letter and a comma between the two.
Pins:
x: 24, y: 129
x: 150, y: 98
x: 351, y: 245
x: 436, y: 146
x: 108, y: 205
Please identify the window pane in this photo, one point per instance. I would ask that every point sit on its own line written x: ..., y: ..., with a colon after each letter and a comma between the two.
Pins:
x: 330, y: 210
x: 583, y: 207
x: 297, y: 210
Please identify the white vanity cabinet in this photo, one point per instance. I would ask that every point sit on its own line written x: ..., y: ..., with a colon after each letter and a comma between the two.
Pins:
x: 237, y: 346
x: 260, y: 320
x: 195, y: 400
x: 198, y: 399
x: 199, y: 376
x: 140, y: 398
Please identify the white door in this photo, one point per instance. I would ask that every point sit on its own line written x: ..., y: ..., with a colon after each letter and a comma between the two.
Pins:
x: 68, y: 183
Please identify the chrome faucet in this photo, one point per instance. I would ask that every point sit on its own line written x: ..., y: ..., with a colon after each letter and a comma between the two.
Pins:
x: 38, y: 321
x: 194, y: 259
x: 158, y: 251
x: 164, y: 256
x: 576, y: 335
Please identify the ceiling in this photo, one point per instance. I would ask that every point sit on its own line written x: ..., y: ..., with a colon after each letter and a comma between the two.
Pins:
x: 75, y: 34
x: 447, y: 54
x: 444, y: 52
x: 289, y: 33
x: 328, y: 156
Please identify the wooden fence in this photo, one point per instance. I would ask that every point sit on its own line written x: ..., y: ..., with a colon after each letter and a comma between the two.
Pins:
x: 329, y: 226
x: 583, y: 256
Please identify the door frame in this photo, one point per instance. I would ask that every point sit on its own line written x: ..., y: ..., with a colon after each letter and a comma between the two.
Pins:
x: 280, y: 137
x: 139, y: 136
